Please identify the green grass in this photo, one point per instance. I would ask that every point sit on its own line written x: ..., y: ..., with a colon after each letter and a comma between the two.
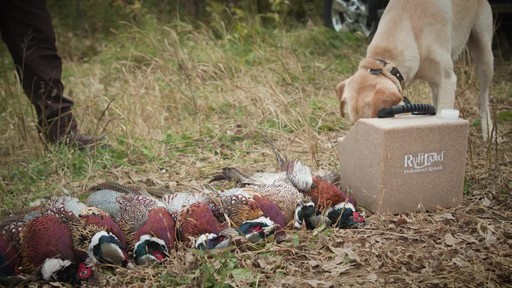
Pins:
x: 175, y: 90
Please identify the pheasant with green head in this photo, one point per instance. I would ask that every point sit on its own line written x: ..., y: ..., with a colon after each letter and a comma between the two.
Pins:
x: 145, y: 220
x: 88, y: 224
x: 344, y: 215
x: 244, y: 204
x: 283, y: 189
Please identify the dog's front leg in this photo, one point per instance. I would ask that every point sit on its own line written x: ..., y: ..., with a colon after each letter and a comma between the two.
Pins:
x: 443, y: 82
x: 434, y: 90
x: 446, y: 97
x: 438, y: 72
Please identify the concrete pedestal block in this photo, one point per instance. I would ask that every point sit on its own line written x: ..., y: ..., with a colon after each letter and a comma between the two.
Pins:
x: 393, y: 165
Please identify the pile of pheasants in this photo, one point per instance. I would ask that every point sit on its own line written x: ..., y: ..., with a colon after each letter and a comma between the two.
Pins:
x: 63, y: 239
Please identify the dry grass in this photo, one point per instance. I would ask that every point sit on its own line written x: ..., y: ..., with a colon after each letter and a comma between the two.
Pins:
x: 180, y: 103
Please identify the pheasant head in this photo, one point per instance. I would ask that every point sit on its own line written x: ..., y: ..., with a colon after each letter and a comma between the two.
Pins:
x: 210, y: 241
x: 150, y: 249
x: 274, y: 213
x: 105, y: 247
x: 303, y: 212
x: 258, y: 230
x: 306, y: 213
x: 344, y: 215
x: 56, y: 269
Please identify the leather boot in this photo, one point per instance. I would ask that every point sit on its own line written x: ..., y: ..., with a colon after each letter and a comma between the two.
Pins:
x: 63, y: 129
x: 83, y: 141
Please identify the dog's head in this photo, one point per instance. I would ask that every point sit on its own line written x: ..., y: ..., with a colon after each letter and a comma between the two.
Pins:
x: 366, y: 92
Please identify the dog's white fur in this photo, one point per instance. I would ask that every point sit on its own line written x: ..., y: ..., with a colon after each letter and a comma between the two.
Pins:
x: 422, y: 38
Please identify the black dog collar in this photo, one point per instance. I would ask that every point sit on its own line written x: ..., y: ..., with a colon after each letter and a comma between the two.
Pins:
x: 393, y: 71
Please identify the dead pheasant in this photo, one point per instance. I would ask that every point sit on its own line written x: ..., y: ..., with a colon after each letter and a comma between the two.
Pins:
x: 281, y: 190
x: 91, y: 226
x: 85, y: 223
x: 155, y: 236
x: 278, y: 187
x: 147, y: 223
x: 195, y: 220
x: 244, y: 204
x: 45, y: 246
x: 108, y: 241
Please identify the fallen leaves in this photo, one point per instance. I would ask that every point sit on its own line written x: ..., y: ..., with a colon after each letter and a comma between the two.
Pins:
x: 450, y: 240
x: 372, y: 277
x: 319, y: 283
x: 443, y: 217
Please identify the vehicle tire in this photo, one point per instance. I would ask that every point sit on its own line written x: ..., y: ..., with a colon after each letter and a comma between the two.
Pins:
x: 353, y: 15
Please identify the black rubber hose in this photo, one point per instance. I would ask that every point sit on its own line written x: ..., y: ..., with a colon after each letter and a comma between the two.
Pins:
x: 416, y: 109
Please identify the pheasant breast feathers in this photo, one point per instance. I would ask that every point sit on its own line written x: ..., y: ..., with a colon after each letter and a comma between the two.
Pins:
x: 195, y: 220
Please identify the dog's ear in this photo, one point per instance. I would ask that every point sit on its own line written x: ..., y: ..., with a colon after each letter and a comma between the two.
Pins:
x: 339, y: 91
x: 384, y: 98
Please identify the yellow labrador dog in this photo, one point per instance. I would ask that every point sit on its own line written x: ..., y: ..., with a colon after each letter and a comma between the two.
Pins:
x: 419, y: 39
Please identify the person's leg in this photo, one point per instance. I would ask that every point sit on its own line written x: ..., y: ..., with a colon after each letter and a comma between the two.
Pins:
x: 27, y: 30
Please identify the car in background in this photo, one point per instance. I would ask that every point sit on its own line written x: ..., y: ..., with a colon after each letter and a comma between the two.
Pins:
x: 362, y: 16
x: 359, y: 16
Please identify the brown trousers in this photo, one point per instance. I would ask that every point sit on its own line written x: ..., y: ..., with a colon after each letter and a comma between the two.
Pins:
x: 27, y: 31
